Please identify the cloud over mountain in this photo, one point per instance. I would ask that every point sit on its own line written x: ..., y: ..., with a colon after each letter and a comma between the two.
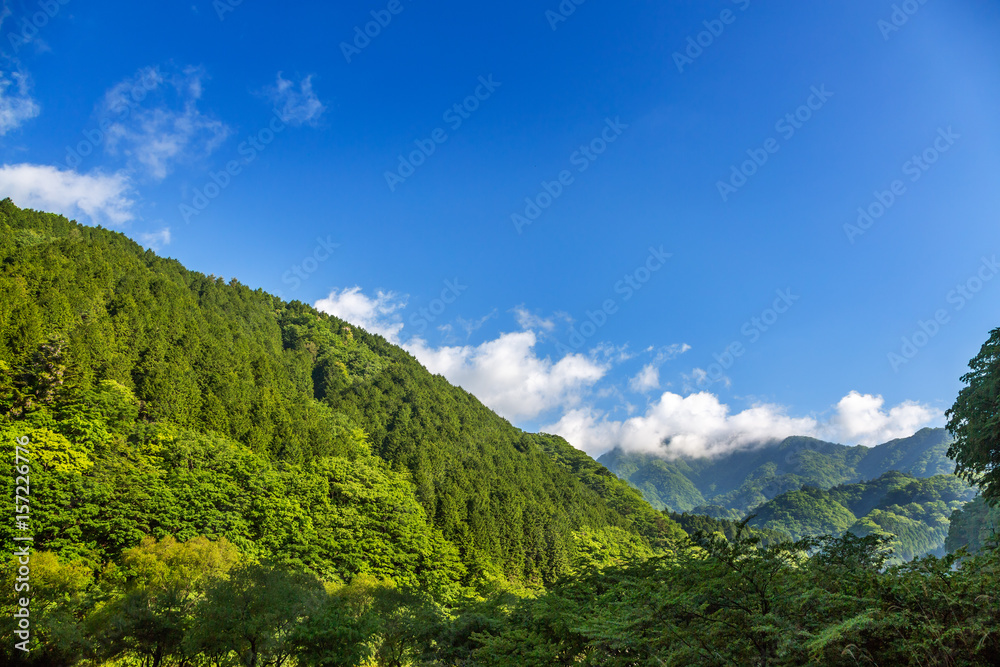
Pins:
x: 104, y: 198
x: 701, y: 425
x: 512, y: 374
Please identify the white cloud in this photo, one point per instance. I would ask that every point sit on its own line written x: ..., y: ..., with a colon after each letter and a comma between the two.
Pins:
x: 587, y: 429
x: 695, y: 425
x: 509, y: 376
x: 529, y: 321
x: 157, y: 120
x: 16, y: 103
x: 647, y: 379
x: 121, y: 98
x: 295, y: 105
x: 862, y: 419
x: 156, y: 240
x: 612, y: 354
x: 101, y: 197
x: 671, y: 352
x: 379, y: 315
x: 700, y: 425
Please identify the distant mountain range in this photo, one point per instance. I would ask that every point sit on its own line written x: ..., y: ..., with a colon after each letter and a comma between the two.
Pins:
x: 807, y: 487
x: 915, y: 512
x: 733, y: 485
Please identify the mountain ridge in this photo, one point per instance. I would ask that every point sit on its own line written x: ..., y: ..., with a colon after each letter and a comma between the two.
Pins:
x: 112, y: 359
x: 732, y: 485
x: 914, y: 512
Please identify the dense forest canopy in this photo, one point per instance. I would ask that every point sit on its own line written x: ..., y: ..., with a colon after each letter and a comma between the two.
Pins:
x: 134, y: 368
x: 219, y: 477
x: 803, y: 487
x: 913, y: 514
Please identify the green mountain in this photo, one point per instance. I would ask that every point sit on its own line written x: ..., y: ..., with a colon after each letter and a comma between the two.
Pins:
x: 731, y: 486
x: 914, y: 512
x: 213, y: 476
x: 162, y: 402
x: 974, y: 526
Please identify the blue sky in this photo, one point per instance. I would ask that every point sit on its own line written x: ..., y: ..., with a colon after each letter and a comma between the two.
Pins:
x: 480, y: 182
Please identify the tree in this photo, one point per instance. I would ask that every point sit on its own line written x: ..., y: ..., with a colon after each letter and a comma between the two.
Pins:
x: 254, y: 613
x: 164, y: 582
x: 103, y: 343
x: 974, y: 420
x: 58, y: 610
x: 338, y: 634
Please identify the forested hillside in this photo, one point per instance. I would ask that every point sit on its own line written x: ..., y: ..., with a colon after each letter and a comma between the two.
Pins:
x: 218, y: 477
x: 162, y: 402
x: 733, y: 485
x: 913, y: 513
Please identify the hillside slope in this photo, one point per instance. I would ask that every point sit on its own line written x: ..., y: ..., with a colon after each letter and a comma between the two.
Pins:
x: 915, y: 512
x: 731, y: 486
x: 163, y: 401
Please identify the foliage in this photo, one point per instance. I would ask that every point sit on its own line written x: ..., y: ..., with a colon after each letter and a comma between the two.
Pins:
x: 718, y: 602
x: 160, y: 584
x: 974, y: 420
x: 253, y: 613
x: 714, y: 601
x: 161, y: 402
x: 973, y: 527
x: 913, y: 513
x: 694, y: 524
x: 220, y: 478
